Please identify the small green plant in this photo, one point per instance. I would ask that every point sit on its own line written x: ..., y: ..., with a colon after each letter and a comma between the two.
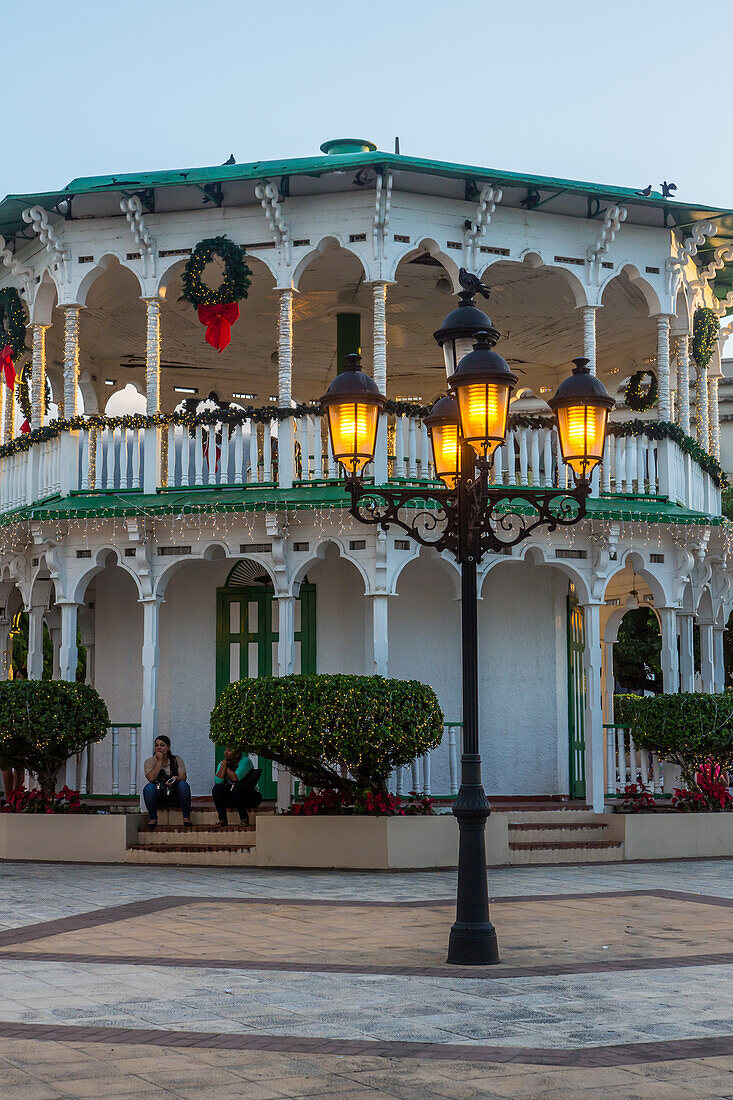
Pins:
x: 44, y: 722
x: 339, y: 733
x: 694, y: 731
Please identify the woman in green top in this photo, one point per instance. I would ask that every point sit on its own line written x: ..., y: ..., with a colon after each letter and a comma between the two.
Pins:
x: 235, y: 785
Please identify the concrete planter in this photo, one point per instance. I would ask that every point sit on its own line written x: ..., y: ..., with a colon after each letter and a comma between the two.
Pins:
x: 677, y: 835
x: 73, y: 838
x: 369, y: 843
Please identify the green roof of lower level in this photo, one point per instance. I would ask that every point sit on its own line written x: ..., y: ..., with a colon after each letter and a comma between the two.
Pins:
x: 180, y: 502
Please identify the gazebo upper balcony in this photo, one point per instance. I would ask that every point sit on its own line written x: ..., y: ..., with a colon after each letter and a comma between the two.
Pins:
x: 140, y: 463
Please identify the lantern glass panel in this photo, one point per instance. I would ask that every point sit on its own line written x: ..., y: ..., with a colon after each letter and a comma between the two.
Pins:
x: 582, y: 431
x: 446, y: 448
x: 483, y: 409
x: 353, y: 427
x: 454, y: 350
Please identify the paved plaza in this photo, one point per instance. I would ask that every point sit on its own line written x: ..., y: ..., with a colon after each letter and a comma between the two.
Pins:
x: 187, y: 982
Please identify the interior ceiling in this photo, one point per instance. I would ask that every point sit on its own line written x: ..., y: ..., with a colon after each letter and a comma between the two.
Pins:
x: 533, y: 308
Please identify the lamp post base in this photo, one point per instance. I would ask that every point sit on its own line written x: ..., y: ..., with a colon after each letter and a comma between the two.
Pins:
x: 473, y: 945
x: 473, y: 937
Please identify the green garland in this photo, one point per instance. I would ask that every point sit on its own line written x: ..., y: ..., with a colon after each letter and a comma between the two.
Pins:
x: 12, y: 321
x: 705, y: 333
x: 635, y: 397
x: 23, y: 392
x: 235, y: 282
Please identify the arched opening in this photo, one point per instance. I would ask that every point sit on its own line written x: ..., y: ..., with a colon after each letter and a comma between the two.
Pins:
x: 625, y: 335
x: 341, y: 614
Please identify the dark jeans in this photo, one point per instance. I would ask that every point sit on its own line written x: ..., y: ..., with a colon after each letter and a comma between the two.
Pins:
x: 178, y: 795
x: 234, y: 799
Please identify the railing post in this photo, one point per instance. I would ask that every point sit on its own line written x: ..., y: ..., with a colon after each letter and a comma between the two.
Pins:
x: 115, y: 760
x: 69, y: 462
x: 151, y: 460
x: 133, y: 760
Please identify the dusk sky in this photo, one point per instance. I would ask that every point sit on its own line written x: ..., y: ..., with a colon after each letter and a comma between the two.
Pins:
x: 621, y: 93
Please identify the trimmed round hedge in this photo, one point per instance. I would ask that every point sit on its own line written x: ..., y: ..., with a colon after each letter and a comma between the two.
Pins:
x: 319, y: 726
x: 44, y: 722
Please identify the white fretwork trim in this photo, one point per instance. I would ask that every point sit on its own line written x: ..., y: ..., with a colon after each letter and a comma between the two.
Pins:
x: 269, y: 198
x: 693, y: 244
x: 37, y: 218
x: 720, y: 255
x: 132, y: 208
x: 382, y: 204
x: 488, y: 198
x: 611, y: 224
x: 16, y: 267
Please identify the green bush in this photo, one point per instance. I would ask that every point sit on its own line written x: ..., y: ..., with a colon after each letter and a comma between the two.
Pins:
x: 44, y: 722
x: 317, y: 725
x: 690, y: 730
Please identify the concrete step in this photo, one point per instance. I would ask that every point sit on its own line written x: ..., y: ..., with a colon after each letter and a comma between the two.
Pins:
x: 546, y: 831
x: 199, y: 855
x: 203, y: 817
x: 565, y: 851
x: 176, y: 835
x: 559, y: 816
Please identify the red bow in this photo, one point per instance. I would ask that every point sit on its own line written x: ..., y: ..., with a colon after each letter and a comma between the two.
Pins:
x: 6, y: 366
x: 25, y: 427
x: 219, y: 320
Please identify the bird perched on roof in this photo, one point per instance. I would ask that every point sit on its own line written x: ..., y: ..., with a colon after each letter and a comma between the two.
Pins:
x: 472, y: 283
x: 668, y: 189
x: 230, y: 159
x: 646, y: 192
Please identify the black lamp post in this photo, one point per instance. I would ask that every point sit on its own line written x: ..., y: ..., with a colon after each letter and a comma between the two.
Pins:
x: 469, y: 517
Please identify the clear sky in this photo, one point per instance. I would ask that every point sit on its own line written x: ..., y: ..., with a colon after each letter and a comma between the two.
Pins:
x: 628, y: 92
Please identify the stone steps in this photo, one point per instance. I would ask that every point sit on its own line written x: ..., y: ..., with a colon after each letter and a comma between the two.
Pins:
x: 573, y: 832
x: 175, y: 836
x: 563, y: 836
x: 199, y: 855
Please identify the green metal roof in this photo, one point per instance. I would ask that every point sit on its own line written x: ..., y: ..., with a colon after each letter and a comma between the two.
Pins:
x: 178, y: 502
x: 680, y: 214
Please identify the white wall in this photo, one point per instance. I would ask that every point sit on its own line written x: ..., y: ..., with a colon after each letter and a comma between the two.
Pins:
x: 343, y: 616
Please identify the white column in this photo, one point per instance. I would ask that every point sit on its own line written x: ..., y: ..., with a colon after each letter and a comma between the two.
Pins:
x: 589, y: 335
x: 714, y: 417
x: 71, y: 360
x: 68, y: 651
x: 150, y: 662
x: 687, y: 652
x: 379, y: 371
x: 664, y: 407
x: 718, y: 659
x: 683, y: 381
x: 38, y: 375
x: 701, y: 405
x: 608, y: 682
x: 285, y: 438
x: 670, y: 661
x: 35, y: 642
x: 152, y: 355
x: 593, y: 665
x: 286, y: 635
x: 707, y: 658
x: 380, y: 634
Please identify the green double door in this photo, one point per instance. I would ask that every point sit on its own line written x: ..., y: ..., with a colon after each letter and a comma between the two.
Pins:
x: 576, y: 697
x: 247, y: 635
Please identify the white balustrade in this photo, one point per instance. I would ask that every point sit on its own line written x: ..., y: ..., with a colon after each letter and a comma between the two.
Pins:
x: 417, y: 777
x: 97, y: 769
x: 626, y: 764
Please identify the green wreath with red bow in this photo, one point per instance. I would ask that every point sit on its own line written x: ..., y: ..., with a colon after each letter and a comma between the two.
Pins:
x: 639, y: 398
x: 12, y: 333
x: 217, y: 308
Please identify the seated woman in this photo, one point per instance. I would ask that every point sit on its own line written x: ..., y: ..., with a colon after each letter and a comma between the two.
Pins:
x: 235, y: 785
x: 166, y: 786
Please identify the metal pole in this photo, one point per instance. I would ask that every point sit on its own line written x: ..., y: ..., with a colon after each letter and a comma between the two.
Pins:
x: 473, y: 937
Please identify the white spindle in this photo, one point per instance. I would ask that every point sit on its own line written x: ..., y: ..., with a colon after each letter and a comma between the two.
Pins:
x: 547, y: 481
x: 239, y: 473
x: 133, y: 760
x: 535, y: 444
x: 610, y: 761
x: 620, y: 756
x: 426, y: 787
x: 171, y: 479
x: 137, y: 437
x: 115, y: 760
x: 523, y: 457
x: 332, y: 471
x: 498, y: 475
x: 510, y: 459
x: 84, y: 470
x: 108, y: 446
x: 399, y: 462
x: 224, y: 462
x: 267, y: 451
x: 400, y: 782
x: 652, y: 460
x: 453, y: 759
x: 412, y: 450
x: 198, y: 456
x: 415, y: 768
x: 621, y: 464
x: 644, y: 766
x: 640, y: 463
x: 424, y: 452
x: 606, y: 472
x: 254, y: 473
x: 633, y: 768
x: 302, y: 439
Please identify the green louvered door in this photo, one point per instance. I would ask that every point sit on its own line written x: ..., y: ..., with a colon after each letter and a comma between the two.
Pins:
x: 246, y: 643
x: 576, y: 698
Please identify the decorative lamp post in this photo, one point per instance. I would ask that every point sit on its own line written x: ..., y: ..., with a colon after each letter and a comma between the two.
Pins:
x: 468, y: 518
x: 457, y: 334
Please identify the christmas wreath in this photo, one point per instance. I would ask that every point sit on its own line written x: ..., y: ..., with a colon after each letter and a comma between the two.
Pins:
x: 12, y: 332
x: 637, y: 398
x: 217, y: 309
x: 705, y: 333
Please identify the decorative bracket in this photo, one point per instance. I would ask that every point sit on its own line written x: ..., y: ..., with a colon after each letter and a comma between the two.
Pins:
x: 37, y: 218
x: 721, y: 254
x: 612, y: 219
x: 690, y: 248
x: 382, y: 204
x: 269, y: 197
x: 473, y: 231
x: 132, y: 208
x: 9, y: 260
